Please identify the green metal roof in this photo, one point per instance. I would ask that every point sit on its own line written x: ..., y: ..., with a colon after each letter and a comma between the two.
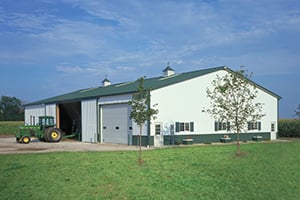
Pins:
x: 131, y: 87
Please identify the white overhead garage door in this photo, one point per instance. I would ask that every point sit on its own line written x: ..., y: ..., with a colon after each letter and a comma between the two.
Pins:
x: 116, y: 123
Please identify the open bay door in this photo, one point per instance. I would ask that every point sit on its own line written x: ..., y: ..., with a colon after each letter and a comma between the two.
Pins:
x: 116, y: 123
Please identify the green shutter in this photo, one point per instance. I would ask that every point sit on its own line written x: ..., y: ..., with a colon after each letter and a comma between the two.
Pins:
x: 259, y: 126
x: 216, y: 126
x: 177, y: 127
x: 191, y: 126
x: 228, y: 126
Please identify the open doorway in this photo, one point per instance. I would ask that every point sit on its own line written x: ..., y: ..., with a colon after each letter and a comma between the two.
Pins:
x: 70, y: 119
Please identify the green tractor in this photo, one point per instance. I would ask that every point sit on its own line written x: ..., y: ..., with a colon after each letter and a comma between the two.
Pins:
x: 44, y: 131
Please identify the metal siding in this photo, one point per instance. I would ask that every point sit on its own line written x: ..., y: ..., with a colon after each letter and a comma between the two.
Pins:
x: 116, y: 123
x: 115, y: 99
x: 89, y: 120
x: 34, y: 111
x: 51, y: 110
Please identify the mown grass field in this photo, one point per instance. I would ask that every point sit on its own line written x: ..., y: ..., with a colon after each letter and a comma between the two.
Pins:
x: 9, y: 127
x: 266, y: 171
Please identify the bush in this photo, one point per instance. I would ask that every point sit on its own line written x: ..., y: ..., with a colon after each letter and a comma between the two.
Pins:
x: 289, y: 128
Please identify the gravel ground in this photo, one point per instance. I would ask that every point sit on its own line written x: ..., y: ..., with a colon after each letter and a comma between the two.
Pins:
x: 8, y: 145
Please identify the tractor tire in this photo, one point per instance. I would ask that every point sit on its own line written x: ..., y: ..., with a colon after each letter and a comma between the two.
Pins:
x: 25, y: 139
x: 17, y: 139
x: 45, y: 138
x: 53, y: 134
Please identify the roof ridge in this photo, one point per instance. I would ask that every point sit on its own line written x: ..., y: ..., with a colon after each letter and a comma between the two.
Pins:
x: 129, y: 87
x: 188, y: 72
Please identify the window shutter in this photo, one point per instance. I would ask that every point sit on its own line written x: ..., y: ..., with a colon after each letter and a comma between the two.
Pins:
x: 259, y: 126
x: 228, y: 126
x: 249, y: 125
x: 216, y: 126
x: 191, y: 126
x: 177, y: 127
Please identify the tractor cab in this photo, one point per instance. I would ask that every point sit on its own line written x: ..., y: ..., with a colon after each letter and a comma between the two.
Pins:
x: 46, y: 122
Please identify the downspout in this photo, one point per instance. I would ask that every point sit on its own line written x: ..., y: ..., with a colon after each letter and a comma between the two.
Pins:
x: 97, y: 120
x: 100, y: 123
x: 148, y: 135
x: 45, y: 111
x: 149, y: 122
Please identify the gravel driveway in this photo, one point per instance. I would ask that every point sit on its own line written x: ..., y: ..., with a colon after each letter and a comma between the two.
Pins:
x: 8, y: 145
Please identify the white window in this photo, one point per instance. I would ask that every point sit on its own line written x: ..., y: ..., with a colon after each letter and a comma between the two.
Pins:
x: 254, y: 126
x: 157, y: 129
x: 184, y: 127
x: 181, y: 126
x: 187, y: 126
x: 272, y: 126
x: 222, y: 126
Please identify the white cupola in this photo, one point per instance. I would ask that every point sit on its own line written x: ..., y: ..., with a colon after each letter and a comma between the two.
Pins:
x: 168, y: 71
x: 106, y: 82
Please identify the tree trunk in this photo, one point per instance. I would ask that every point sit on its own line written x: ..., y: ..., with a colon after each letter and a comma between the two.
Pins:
x: 140, y: 143
x: 238, y: 143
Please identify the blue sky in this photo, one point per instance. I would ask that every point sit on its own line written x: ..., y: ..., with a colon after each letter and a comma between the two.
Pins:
x: 53, y: 47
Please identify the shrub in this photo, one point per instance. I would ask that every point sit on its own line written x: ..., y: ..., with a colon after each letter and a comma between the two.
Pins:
x: 178, y: 142
x: 289, y: 128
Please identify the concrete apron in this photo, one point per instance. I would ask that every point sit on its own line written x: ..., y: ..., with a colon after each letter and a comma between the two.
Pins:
x: 10, y: 146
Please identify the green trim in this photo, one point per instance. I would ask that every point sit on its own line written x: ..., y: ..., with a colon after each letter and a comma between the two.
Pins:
x: 146, y: 140
x: 209, y: 138
x: 200, y: 138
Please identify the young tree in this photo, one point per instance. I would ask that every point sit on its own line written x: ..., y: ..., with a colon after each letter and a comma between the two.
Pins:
x: 233, y: 101
x: 297, y: 111
x: 141, y: 111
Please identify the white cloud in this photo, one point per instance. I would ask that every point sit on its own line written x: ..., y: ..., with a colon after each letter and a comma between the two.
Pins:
x: 106, y: 10
x: 148, y: 34
x: 70, y: 70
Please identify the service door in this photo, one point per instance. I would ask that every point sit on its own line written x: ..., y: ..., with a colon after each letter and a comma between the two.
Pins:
x: 116, y: 125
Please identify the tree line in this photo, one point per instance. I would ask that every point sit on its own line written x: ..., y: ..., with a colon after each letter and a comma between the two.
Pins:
x: 11, y: 109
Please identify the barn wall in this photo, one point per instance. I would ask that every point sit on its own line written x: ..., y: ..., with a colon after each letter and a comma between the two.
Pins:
x: 184, y: 102
x: 89, y: 120
x: 51, y: 110
x: 187, y: 101
x: 32, y: 114
x: 270, y: 109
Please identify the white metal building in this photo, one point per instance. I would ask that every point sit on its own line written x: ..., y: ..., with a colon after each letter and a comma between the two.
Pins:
x: 102, y: 113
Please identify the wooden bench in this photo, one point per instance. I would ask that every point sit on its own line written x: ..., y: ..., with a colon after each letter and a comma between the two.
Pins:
x: 187, y: 141
x: 257, y: 138
x: 225, y: 140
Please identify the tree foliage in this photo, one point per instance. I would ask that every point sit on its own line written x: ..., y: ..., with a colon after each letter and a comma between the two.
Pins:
x: 289, y: 128
x: 141, y: 110
x: 233, y: 101
x: 11, y: 109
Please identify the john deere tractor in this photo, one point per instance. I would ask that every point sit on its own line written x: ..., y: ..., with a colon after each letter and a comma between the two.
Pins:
x: 44, y: 131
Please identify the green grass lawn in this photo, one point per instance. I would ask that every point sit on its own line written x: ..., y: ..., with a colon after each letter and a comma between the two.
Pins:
x: 266, y: 171
x: 9, y: 127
